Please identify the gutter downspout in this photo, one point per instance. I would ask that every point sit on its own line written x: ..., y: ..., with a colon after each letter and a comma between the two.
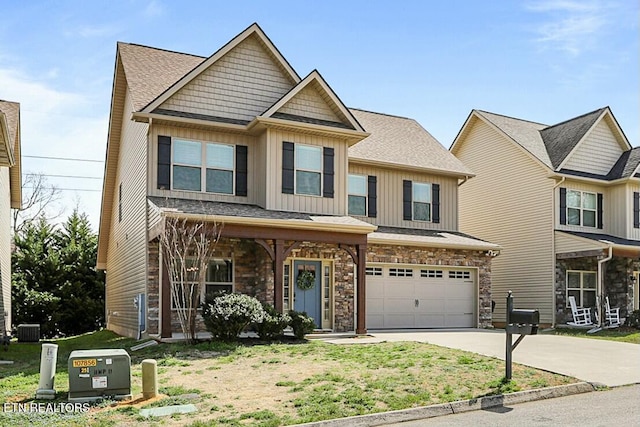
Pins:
x: 553, y: 252
x: 599, y: 289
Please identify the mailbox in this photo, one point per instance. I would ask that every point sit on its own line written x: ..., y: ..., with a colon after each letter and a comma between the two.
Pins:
x: 97, y: 374
x: 524, y: 317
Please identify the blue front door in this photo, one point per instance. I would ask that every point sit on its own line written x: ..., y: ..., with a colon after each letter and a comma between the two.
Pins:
x: 308, y: 300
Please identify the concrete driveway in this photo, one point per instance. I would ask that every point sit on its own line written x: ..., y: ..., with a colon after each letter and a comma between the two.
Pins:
x: 596, y: 361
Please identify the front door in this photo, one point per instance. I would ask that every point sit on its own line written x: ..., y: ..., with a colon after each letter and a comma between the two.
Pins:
x: 309, y: 298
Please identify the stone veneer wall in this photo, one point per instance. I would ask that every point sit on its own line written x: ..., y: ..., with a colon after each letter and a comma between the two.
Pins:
x: 617, y: 285
x: 445, y: 258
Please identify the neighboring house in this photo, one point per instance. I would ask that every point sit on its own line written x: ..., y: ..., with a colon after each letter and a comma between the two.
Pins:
x: 367, y: 202
x: 10, y: 198
x: 562, y: 201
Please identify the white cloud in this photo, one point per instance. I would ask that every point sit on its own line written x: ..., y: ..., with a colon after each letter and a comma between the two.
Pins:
x: 154, y: 8
x: 571, y: 26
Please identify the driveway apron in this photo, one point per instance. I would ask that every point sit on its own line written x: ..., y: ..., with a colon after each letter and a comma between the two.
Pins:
x: 596, y: 361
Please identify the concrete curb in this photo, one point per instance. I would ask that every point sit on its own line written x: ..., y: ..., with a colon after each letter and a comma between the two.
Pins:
x: 488, y: 402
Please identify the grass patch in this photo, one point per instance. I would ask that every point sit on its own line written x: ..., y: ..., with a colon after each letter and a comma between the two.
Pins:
x: 256, y: 384
x: 621, y: 334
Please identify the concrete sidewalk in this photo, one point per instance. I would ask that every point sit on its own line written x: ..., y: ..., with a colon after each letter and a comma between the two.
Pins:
x: 596, y: 361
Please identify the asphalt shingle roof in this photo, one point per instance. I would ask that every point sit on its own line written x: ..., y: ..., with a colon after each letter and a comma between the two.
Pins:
x: 604, y: 238
x: 11, y: 111
x: 402, y: 141
x: 561, y: 139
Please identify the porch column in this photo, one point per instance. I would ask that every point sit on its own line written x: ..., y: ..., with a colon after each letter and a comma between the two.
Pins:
x: 278, y: 274
x: 361, y: 303
x: 165, y: 302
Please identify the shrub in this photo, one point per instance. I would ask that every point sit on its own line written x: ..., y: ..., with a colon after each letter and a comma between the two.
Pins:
x: 633, y: 320
x: 226, y: 316
x: 273, y: 324
x: 301, y: 324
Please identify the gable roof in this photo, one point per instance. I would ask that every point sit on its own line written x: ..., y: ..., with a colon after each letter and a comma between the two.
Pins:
x: 10, y: 149
x: 316, y: 82
x: 253, y: 30
x: 401, y: 142
x: 553, y: 145
x: 561, y: 139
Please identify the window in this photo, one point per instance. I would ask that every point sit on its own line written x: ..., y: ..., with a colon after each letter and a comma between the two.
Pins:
x: 373, y: 271
x: 286, y: 287
x: 431, y: 273
x: 188, y: 166
x: 357, y: 195
x: 582, y: 286
x: 308, y: 166
x: 218, y: 279
x: 421, y: 202
x: 400, y: 272
x: 581, y: 208
x: 459, y: 275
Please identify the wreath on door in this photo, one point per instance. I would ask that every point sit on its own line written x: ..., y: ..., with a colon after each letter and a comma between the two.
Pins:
x: 306, y: 280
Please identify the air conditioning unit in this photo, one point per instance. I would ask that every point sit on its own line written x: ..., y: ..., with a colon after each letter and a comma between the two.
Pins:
x: 29, y: 333
x: 98, y: 374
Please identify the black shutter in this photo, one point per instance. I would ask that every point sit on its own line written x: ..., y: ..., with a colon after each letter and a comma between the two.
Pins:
x: 600, y: 223
x: 636, y: 209
x: 372, y: 196
x: 563, y: 205
x: 164, y: 162
x: 287, y: 168
x: 327, y: 172
x: 435, y: 194
x: 241, y: 170
x: 407, y: 187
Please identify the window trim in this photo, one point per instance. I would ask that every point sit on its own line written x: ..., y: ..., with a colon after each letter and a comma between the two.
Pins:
x: 582, y: 209
x: 413, y: 201
x: 320, y: 171
x: 203, y: 165
x: 581, y: 289
x: 365, y: 179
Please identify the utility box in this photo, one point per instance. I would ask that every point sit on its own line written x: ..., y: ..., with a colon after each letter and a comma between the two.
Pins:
x: 97, y: 374
x: 29, y: 332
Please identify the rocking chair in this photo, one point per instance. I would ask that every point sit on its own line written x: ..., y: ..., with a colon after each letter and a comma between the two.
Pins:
x: 581, y: 316
x: 612, y: 315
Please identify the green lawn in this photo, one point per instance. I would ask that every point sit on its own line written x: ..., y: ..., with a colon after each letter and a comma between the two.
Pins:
x: 258, y: 384
x: 619, y: 334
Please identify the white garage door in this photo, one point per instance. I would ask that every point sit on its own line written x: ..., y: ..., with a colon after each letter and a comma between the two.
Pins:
x: 420, y: 297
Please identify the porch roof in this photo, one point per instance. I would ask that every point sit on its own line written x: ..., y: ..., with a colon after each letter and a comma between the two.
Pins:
x: 615, y: 242
x: 234, y: 213
x: 430, y: 238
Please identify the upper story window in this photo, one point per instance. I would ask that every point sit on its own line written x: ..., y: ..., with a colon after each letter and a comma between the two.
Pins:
x: 307, y: 170
x: 202, y: 166
x: 421, y: 201
x: 199, y: 165
x: 357, y: 195
x: 308, y: 166
x: 581, y: 208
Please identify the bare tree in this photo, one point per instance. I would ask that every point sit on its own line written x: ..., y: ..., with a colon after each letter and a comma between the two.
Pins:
x: 38, y: 200
x: 186, y: 250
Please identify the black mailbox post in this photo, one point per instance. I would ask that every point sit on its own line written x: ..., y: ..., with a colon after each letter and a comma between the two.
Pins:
x: 521, y: 321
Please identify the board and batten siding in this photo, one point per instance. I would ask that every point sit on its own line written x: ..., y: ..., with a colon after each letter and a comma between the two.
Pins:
x: 276, y: 200
x: 204, y: 136
x: 127, y: 252
x: 309, y: 103
x: 591, y: 188
x: 5, y: 250
x: 510, y: 202
x: 390, y: 202
x: 241, y: 85
x: 261, y: 158
x: 619, y: 208
x: 597, y: 153
x: 632, y: 233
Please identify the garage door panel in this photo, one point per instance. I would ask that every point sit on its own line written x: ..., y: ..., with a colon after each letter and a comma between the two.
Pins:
x: 399, y: 305
x: 375, y: 321
x: 455, y: 290
x: 459, y: 320
x: 431, y: 306
x: 459, y: 306
x: 399, y: 320
x: 375, y: 289
x: 433, y: 320
x: 428, y: 290
x: 404, y: 289
x: 375, y: 305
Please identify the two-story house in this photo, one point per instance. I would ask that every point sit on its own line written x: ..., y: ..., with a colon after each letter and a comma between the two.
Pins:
x: 366, y: 202
x: 10, y: 198
x: 562, y: 201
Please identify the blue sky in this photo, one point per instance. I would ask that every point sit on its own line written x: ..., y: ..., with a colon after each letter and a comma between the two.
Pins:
x: 434, y: 61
